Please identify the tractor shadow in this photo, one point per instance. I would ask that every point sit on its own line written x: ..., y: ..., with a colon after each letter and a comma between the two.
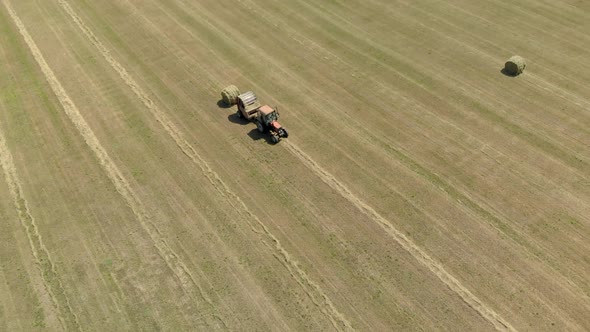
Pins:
x: 255, y: 135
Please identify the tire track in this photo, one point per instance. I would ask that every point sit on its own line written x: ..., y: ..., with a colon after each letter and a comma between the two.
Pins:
x: 436, y: 268
x: 379, y: 86
x: 196, y: 64
x: 460, y: 294
x: 171, y: 259
x: 320, y: 298
x: 51, y: 279
x: 464, y: 199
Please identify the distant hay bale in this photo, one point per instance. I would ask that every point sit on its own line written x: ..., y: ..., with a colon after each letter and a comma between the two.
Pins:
x: 230, y: 94
x: 514, y: 66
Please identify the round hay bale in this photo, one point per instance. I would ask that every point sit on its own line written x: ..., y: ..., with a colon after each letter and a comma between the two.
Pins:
x: 514, y: 66
x: 230, y: 94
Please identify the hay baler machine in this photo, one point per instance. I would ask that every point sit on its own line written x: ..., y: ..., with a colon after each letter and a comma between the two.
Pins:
x: 249, y: 108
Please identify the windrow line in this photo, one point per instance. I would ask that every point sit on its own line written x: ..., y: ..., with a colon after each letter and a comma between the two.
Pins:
x: 436, y: 268
x: 411, y: 164
x: 421, y: 256
x: 49, y: 275
x: 51, y: 278
x: 312, y: 289
x: 122, y: 186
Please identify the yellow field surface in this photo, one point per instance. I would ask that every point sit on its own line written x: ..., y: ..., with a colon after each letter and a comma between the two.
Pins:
x: 420, y: 188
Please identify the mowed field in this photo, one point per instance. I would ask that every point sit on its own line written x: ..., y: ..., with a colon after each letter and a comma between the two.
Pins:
x: 420, y: 188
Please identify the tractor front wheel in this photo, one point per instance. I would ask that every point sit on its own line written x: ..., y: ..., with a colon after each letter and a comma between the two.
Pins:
x: 284, y: 132
x: 275, y: 139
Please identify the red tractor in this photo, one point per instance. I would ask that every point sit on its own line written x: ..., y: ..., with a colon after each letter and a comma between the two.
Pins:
x: 249, y: 108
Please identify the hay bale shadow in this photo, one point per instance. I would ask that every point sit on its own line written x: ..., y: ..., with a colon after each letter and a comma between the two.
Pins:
x: 506, y: 73
x: 255, y: 135
x: 222, y: 104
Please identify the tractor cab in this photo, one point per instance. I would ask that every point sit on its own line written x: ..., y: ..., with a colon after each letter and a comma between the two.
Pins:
x: 268, y: 122
x: 268, y: 115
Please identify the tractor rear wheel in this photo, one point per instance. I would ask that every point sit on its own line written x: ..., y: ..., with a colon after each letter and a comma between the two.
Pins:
x: 260, y: 127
